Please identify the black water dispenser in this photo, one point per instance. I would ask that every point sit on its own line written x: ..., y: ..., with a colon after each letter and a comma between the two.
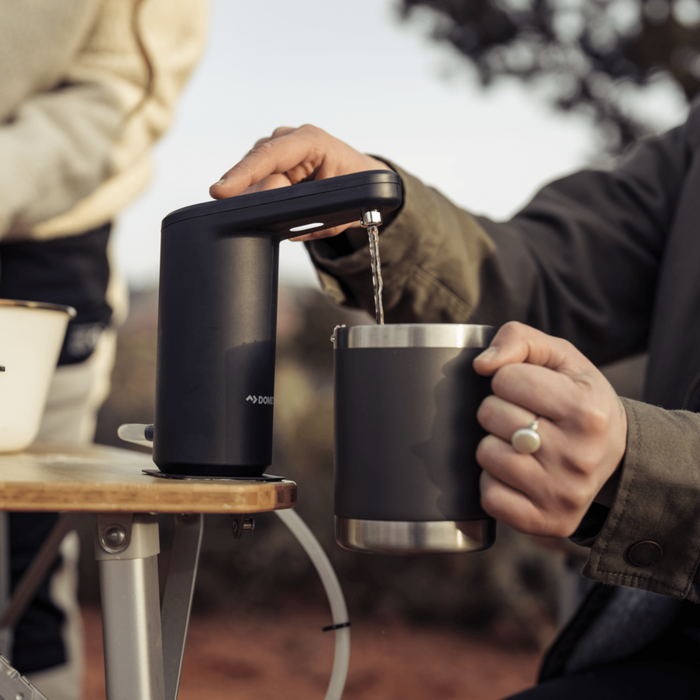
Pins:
x: 217, y: 317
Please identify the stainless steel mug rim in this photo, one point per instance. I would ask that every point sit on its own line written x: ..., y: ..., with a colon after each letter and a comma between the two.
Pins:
x: 414, y: 335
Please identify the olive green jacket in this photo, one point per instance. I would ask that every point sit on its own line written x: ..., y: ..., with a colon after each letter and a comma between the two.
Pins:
x: 609, y: 261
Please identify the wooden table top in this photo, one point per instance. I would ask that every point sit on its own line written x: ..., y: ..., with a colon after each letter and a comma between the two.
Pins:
x: 95, y: 478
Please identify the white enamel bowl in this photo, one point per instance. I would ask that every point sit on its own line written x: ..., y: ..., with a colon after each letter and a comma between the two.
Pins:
x: 31, y: 335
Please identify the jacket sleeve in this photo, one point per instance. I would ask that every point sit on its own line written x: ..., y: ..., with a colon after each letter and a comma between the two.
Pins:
x: 565, y: 264
x: 75, y: 153
x: 580, y: 262
x: 651, y: 537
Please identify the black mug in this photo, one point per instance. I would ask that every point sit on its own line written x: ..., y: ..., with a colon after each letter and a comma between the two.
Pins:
x: 406, y: 477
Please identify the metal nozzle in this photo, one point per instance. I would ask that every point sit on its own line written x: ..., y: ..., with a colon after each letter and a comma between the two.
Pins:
x: 373, y: 217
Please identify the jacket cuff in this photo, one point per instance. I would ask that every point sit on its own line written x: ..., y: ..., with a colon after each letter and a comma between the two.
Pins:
x: 651, y: 537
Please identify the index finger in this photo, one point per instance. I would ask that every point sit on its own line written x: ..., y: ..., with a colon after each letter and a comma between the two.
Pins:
x: 516, y: 343
x: 294, y: 151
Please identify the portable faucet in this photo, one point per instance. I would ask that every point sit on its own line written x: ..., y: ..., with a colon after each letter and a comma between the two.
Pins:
x: 217, y: 316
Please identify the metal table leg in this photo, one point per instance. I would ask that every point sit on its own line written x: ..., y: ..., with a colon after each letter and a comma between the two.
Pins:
x: 143, y: 653
x: 126, y: 547
x: 177, y: 596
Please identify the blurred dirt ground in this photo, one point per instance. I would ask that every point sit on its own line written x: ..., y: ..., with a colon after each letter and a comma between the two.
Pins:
x: 233, y: 656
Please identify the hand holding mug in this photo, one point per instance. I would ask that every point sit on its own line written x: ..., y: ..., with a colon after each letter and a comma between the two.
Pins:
x: 546, y: 385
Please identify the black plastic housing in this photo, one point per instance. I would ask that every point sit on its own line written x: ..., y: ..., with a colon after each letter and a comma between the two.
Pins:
x: 217, y: 317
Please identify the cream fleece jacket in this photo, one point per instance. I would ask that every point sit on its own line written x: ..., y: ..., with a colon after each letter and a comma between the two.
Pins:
x: 82, y: 102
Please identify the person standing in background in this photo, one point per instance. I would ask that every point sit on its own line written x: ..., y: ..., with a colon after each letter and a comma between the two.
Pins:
x: 88, y: 88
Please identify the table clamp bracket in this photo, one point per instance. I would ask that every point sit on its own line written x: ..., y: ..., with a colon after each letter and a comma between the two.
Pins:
x: 15, y: 686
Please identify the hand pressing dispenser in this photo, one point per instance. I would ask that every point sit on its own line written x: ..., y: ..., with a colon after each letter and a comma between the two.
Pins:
x: 217, y: 317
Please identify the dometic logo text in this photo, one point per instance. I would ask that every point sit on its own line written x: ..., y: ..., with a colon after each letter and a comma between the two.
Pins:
x: 267, y: 400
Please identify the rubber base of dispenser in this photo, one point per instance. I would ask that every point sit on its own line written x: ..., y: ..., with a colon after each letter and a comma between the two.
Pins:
x: 187, y: 477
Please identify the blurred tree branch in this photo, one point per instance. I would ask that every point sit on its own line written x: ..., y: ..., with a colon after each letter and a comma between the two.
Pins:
x: 588, y: 55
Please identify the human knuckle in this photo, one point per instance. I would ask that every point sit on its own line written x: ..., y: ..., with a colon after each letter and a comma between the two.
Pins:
x: 487, y: 500
x: 311, y: 130
x: 566, y: 345
x: 301, y: 172
x: 503, y: 378
x: 487, y: 410
x: 571, y: 501
x: 485, y: 450
x: 509, y: 372
x: 492, y: 500
x: 511, y: 330
x: 592, y: 418
x: 282, y: 131
x: 586, y: 464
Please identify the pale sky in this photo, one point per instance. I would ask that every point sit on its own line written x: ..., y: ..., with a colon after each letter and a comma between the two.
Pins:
x: 353, y: 69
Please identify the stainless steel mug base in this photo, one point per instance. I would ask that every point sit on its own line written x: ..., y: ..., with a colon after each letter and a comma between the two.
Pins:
x: 392, y: 537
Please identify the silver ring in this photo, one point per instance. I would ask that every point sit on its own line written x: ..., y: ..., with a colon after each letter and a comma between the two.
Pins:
x: 527, y: 440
